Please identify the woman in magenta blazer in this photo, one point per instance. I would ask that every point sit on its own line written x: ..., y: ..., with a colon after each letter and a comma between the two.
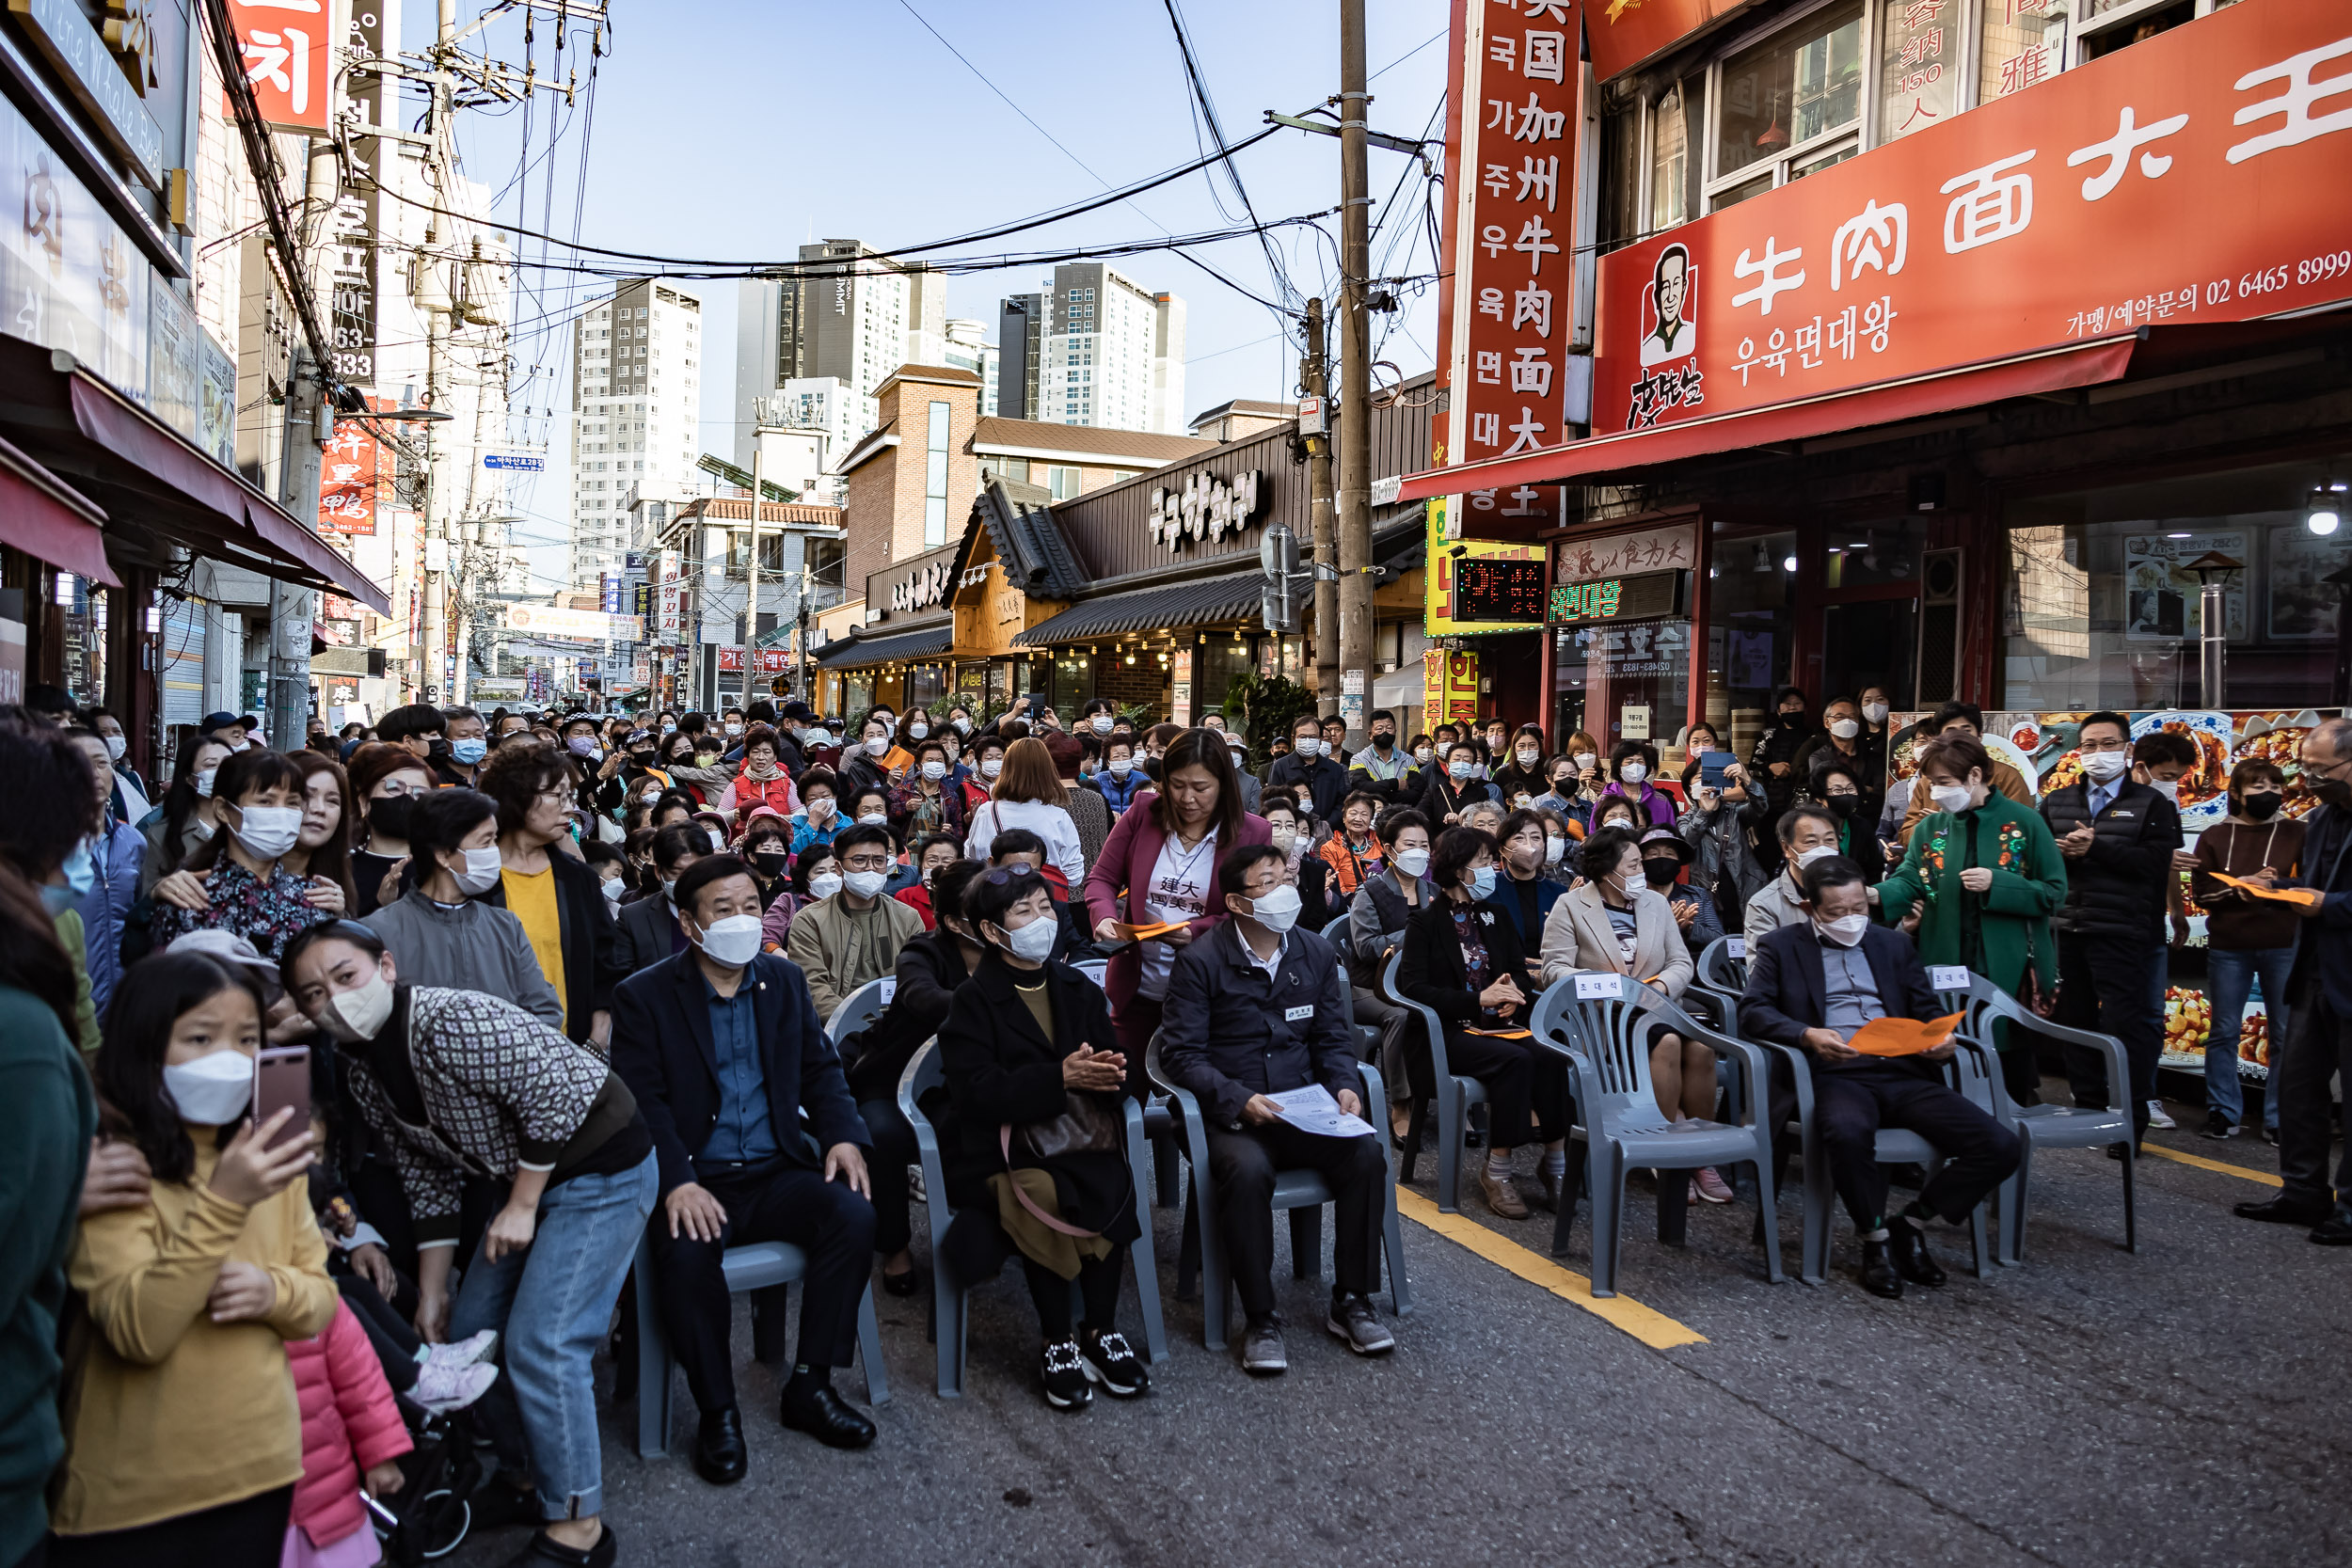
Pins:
x: 1162, y: 857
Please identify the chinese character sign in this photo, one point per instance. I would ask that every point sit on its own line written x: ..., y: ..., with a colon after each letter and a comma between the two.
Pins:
x: 284, y: 46
x: 1624, y: 32
x: 348, y: 472
x: 1507, y: 314
x: 2178, y: 180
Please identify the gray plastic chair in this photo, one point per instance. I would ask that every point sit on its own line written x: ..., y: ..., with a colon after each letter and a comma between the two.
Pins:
x: 1303, y: 1193
x: 860, y: 1008
x: 1606, y: 1039
x: 1096, y: 970
x: 1455, y: 1096
x: 950, y: 1304
x: 763, y: 1267
x: 2041, y: 1127
x: 1970, y: 1071
x: 1367, y: 1035
x: 1724, y: 974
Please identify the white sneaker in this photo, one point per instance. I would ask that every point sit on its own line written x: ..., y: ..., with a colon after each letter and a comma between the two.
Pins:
x: 442, y: 1389
x: 466, y: 1351
x: 2157, y: 1119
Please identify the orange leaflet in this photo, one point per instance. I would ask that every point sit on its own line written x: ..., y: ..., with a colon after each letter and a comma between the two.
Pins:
x: 1501, y: 1034
x: 1144, y: 933
x: 2301, y: 898
x: 1902, y: 1036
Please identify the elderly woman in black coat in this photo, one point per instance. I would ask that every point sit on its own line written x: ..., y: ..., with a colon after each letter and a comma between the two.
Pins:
x: 1037, y: 1163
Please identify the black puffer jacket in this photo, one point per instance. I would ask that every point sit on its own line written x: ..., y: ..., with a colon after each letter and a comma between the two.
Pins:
x: 2117, y: 889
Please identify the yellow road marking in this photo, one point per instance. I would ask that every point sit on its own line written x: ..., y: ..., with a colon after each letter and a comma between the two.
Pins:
x: 1653, y: 1328
x: 2203, y: 1164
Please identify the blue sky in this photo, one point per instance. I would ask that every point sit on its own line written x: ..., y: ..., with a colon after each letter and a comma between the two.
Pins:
x: 732, y: 131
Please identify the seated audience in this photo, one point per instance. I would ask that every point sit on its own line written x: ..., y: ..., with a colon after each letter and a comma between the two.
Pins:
x: 843, y: 941
x: 649, y: 927
x: 1808, y: 833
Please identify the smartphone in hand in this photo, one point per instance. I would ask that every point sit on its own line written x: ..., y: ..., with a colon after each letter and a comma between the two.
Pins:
x: 281, y: 1078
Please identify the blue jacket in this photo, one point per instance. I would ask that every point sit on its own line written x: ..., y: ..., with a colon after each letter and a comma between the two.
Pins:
x: 663, y: 1051
x: 105, y: 909
x: 1116, y: 794
x: 1229, y: 1030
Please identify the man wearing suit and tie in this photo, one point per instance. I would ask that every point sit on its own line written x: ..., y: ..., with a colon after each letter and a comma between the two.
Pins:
x: 1813, y: 987
x: 723, y: 1050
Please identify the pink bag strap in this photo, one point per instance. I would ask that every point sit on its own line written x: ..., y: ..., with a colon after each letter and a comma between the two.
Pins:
x: 1004, y: 1142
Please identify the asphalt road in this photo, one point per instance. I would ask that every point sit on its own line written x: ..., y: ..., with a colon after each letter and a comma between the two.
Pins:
x: 2092, y: 1408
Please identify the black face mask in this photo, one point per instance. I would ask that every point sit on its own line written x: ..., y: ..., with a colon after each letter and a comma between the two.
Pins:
x: 389, y: 816
x: 769, y: 861
x: 438, y: 749
x: 1383, y: 739
x: 1844, y: 805
x: 1660, y: 870
x: 2260, y: 806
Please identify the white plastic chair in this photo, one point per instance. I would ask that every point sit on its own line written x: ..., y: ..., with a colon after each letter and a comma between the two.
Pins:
x: 860, y: 1008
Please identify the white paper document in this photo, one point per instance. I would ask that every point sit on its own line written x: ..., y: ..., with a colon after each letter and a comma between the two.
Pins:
x: 1313, y: 1110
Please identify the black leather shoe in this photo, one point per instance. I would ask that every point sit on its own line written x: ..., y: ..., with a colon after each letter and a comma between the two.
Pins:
x: 545, y: 1551
x: 1913, y: 1260
x: 816, y: 1409
x: 2335, y: 1230
x: 904, y: 1284
x: 1878, y: 1272
x: 720, y: 1454
x: 2283, y: 1211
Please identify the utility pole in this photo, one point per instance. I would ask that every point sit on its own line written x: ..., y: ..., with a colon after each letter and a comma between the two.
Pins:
x: 751, y: 574
x: 1355, y: 440
x: 1312, y: 375
x: 440, y: 311
x: 287, y: 700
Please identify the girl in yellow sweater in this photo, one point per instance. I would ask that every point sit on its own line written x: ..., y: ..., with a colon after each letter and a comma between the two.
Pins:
x: 183, y: 1436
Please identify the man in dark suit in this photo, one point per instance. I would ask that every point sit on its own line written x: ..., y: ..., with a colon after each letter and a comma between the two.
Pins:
x: 1811, y: 988
x: 722, y: 1048
x: 2318, y: 1045
x: 1255, y: 1009
x: 650, y: 931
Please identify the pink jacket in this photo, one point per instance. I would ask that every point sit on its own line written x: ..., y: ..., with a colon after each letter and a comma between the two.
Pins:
x: 349, y: 1424
x: 1124, y: 864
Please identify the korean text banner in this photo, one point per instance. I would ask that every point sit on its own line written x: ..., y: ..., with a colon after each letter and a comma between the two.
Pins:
x: 2197, y: 176
x: 1624, y: 32
x: 284, y: 46
x: 1507, y: 314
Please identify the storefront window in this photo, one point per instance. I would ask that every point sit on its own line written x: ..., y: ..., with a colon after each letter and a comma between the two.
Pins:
x: 2101, y: 609
x: 1919, y: 67
x: 1750, y: 630
x: 1214, y: 665
x: 1628, y: 682
x: 1791, y: 90
x: 1673, y: 121
x: 926, y: 685
x: 1073, y: 678
x: 82, y: 618
x: 2023, y: 41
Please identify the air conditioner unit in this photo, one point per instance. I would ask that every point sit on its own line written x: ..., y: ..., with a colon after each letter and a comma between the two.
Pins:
x: 1940, y: 623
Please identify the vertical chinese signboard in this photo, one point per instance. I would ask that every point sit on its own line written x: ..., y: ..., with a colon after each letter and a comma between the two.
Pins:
x: 1506, y: 320
x: 350, y: 469
x: 2178, y: 180
x: 284, y: 43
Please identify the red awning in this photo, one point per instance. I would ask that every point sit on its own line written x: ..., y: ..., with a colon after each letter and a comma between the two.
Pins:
x: 2048, y: 370
x: 44, y: 516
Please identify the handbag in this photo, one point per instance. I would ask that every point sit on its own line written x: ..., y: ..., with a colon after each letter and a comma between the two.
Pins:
x: 1086, y: 1128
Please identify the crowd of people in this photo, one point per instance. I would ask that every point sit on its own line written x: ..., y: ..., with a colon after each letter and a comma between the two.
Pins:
x: 557, y: 986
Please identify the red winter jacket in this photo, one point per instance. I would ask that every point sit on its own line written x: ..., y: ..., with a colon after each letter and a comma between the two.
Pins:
x: 350, y: 1424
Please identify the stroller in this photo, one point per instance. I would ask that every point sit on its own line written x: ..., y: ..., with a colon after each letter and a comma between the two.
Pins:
x: 429, y: 1516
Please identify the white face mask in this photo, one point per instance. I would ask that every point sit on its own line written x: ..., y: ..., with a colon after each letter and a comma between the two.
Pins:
x: 963, y: 726
x: 1845, y: 931
x: 1101, y: 722
x: 202, y: 779
x: 1121, y: 767
x: 1950, y: 798
x: 266, y: 832
x: 1423, y: 754
x: 1240, y: 761
x: 211, y: 1090
x: 1281, y: 838
x: 1635, y: 773
x: 1583, y: 760
x: 1413, y: 862
x: 2105, y: 765
x: 934, y: 770
x: 1555, y: 848
x: 357, y: 1014
x: 1276, y: 909
x: 731, y: 942
x: 1527, y: 755
x: 1807, y: 857
x: 919, y: 731
x: 1034, y: 941
x: 873, y: 819
x: 1307, y: 746
x: 1844, y: 729
x: 877, y: 746
x: 991, y: 767
x: 824, y: 884
x: 865, y: 884
x: 481, y: 873
x: 613, y: 890
x: 2171, y: 791
x: 115, y: 748
x: 734, y: 728
x: 819, y: 807
x: 1874, y: 712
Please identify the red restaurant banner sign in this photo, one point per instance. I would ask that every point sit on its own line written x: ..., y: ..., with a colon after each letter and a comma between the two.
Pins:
x: 1624, y: 32
x: 2198, y: 176
x: 284, y: 44
x: 349, y: 473
x: 1506, y: 319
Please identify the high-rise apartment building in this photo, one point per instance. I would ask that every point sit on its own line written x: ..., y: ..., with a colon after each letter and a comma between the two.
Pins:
x: 967, y: 348
x: 636, y: 413
x: 1020, y: 355
x: 1113, y: 352
x: 846, y: 312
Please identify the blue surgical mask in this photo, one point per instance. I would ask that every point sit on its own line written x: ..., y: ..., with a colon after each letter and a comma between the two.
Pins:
x: 469, y: 751
x: 81, y: 873
x: 1483, y: 882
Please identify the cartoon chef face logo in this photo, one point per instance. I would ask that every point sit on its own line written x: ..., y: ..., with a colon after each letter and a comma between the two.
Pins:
x: 1672, y: 334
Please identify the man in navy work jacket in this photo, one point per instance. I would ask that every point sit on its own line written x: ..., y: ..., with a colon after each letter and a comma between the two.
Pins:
x: 1255, y: 1009
x: 2319, y: 990
x: 722, y: 1048
x: 1813, y: 987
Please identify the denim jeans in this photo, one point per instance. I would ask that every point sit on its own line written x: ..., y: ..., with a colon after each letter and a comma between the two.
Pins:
x: 552, y: 1304
x: 2230, y: 973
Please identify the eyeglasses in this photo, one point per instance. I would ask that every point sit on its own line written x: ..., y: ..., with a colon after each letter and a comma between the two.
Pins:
x: 1005, y: 873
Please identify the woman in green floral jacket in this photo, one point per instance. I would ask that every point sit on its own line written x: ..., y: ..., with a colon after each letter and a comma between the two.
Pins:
x: 1983, y: 872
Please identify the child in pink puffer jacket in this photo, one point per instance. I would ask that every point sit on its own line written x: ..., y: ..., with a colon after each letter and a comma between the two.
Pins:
x: 350, y: 1424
